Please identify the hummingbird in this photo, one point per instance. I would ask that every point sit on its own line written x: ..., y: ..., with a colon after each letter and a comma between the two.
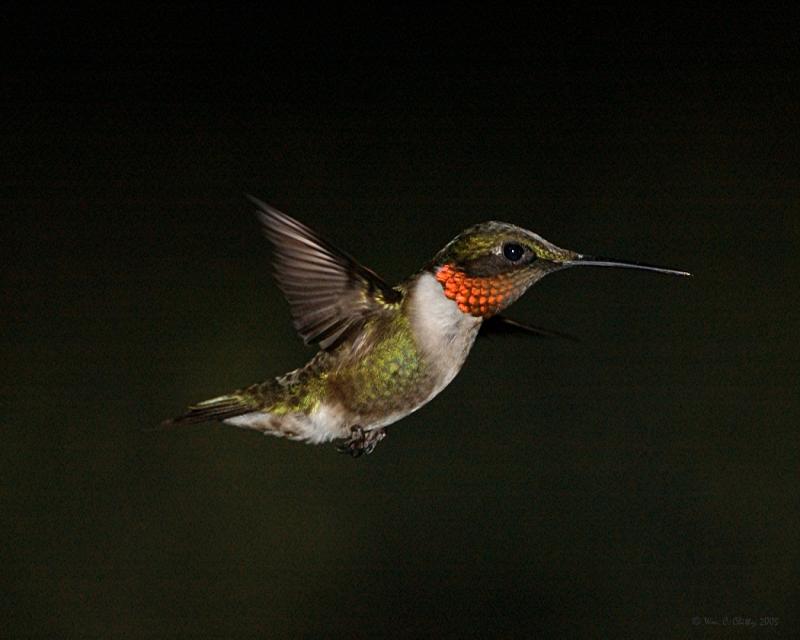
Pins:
x: 385, y: 351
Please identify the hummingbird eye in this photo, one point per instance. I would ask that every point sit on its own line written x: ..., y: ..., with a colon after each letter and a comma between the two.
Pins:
x: 513, y: 251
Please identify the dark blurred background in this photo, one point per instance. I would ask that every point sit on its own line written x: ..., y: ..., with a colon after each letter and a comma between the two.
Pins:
x: 641, y: 483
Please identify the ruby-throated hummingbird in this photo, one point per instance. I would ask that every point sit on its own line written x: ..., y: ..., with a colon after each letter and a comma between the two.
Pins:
x: 384, y: 351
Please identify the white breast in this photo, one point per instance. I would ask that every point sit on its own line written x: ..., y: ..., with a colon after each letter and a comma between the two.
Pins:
x: 444, y: 333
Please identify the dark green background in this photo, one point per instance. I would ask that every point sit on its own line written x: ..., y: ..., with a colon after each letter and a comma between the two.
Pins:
x: 616, y: 487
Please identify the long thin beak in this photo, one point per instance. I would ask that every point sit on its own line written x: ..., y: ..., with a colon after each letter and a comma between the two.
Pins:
x: 594, y: 261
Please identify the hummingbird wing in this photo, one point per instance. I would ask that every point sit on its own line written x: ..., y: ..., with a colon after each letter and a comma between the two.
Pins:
x: 500, y: 325
x: 329, y: 292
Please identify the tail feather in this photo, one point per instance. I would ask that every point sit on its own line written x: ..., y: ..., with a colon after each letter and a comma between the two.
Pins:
x: 218, y: 408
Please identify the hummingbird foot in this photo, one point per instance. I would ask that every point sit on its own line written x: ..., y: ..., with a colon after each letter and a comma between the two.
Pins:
x: 362, y: 442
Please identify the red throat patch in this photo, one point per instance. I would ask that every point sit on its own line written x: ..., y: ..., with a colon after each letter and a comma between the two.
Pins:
x: 480, y: 297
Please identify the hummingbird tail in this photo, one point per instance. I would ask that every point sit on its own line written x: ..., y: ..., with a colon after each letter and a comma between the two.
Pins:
x: 219, y: 408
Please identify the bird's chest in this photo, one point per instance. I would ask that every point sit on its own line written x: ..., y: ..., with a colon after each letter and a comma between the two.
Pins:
x: 404, y: 363
x: 443, y: 333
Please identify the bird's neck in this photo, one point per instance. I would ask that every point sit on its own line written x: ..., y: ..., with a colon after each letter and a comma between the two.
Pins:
x: 480, y: 296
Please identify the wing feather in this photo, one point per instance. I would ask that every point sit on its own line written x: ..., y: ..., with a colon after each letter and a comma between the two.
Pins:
x: 329, y: 292
x: 500, y: 325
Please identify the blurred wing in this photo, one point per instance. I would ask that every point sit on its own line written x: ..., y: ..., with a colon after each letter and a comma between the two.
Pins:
x: 329, y: 293
x: 500, y: 325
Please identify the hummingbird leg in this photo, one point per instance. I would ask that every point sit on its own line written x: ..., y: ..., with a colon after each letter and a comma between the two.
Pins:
x: 362, y: 442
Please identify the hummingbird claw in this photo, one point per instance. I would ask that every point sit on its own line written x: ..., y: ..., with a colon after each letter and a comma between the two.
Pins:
x: 361, y: 442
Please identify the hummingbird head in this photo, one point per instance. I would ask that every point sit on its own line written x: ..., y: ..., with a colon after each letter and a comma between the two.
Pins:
x: 490, y: 265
